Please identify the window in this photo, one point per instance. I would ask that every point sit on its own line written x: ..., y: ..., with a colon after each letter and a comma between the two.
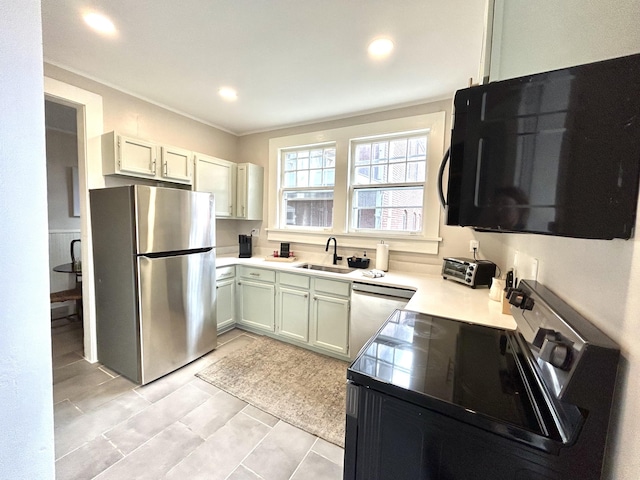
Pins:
x: 361, y: 183
x: 308, y: 178
x: 387, y: 183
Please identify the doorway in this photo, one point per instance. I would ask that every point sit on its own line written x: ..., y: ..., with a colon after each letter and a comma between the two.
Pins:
x: 63, y: 204
x: 88, y: 106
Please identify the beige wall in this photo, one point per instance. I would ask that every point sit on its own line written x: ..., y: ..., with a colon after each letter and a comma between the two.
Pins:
x: 254, y: 148
x: 132, y: 116
x: 601, y: 279
x: 62, y: 154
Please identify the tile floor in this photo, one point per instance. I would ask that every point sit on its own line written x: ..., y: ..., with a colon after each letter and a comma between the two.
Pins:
x: 177, y: 427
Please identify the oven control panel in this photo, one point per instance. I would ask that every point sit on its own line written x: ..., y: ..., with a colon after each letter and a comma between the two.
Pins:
x: 559, y: 340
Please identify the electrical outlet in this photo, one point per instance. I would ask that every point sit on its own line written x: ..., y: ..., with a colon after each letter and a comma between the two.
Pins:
x: 255, y: 232
x: 474, y: 245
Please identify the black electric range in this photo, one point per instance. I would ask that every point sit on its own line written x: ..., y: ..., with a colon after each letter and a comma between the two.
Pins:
x: 436, y: 398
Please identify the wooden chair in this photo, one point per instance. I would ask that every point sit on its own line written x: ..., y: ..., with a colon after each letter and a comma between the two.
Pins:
x: 74, y: 294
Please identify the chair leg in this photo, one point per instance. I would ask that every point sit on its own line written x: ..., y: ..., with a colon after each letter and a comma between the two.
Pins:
x: 79, y: 309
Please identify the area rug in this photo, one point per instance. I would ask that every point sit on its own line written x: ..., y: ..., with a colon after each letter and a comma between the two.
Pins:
x: 298, y: 386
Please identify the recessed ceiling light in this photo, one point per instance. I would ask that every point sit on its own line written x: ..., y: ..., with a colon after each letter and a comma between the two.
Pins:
x: 380, y: 48
x: 99, y: 23
x: 228, y: 93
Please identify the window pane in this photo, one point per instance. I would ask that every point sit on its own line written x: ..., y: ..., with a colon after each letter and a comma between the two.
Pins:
x: 416, y: 171
x: 363, y: 154
x: 329, y: 177
x: 417, y: 148
x: 329, y: 157
x: 290, y: 163
x: 380, y: 151
x: 303, y: 161
x: 302, y: 168
x: 302, y: 178
x: 308, y: 209
x: 290, y: 179
x: 361, y: 176
x: 391, y: 209
x: 398, y: 150
x: 379, y: 174
x: 390, y: 160
x: 397, y: 172
x: 315, y: 178
x: 316, y: 158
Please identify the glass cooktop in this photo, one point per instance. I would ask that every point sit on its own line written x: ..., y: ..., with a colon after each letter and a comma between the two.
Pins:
x: 451, y: 366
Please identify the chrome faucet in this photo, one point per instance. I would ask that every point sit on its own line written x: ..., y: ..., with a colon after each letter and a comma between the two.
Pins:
x: 335, y: 249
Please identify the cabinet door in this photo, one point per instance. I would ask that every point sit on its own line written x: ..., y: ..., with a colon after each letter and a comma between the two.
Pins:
x: 176, y: 164
x: 294, y: 314
x: 136, y: 157
x: 257, y: 305
x: 249, y: 191
x: 225, y: 303
x: 216, y: 176
x: 330, y: 321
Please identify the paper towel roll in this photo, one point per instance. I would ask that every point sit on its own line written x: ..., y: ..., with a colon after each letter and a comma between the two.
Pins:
x: 382, y: 257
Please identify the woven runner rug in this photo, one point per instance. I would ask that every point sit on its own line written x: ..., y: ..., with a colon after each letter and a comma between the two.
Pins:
x: 298, y: 386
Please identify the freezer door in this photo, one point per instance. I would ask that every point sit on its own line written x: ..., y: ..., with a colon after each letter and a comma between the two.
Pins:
x: 169, y: 219
x: 177, y: 311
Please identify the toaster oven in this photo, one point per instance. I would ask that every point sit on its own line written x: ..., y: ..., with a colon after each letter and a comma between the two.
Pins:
x: 468, y: 271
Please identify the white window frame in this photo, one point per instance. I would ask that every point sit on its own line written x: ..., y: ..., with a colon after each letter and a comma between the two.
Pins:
x: 353, y: 187
x: 282, y: 189
x: 426, y: 241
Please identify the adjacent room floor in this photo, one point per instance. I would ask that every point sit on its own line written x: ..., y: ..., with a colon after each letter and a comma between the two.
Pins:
x: 176, y: 427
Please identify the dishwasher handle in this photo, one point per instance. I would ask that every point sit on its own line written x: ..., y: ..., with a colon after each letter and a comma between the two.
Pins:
x: 359, y: 287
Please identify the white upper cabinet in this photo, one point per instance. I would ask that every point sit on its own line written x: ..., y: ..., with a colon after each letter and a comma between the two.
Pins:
x: 135, y: 157
x: 237, y: 187
x: 249, y: 191
x: 128, y: 156
x: 176, y: 164
x: 217, y: 176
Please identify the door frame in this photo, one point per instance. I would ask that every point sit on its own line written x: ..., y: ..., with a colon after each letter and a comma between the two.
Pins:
x: 90, y: 128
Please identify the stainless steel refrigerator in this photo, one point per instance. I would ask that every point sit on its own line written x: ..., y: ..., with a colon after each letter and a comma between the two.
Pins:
x: 154, y: 260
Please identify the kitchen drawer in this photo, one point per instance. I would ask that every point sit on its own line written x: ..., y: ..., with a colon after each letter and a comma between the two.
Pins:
x: 332, y: 287
x: 258, y: 274
x: 223, y: 273
x: 294, y: 280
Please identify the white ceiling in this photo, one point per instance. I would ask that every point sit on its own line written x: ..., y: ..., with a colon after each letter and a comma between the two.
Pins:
x: 292, y: 61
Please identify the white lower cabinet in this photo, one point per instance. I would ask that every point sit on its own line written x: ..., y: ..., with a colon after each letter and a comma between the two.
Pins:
x: 293, y: 306
x: 309, y: 311
x: 225, y: 298
x: 330, y: 309
x: 314, y: 312
x: 257, y: 298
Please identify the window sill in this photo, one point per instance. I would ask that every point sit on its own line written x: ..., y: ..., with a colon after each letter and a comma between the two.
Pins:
x: 361, y: 241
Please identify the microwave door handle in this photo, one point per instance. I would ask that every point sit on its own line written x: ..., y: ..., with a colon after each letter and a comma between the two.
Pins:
x: 443, y: 164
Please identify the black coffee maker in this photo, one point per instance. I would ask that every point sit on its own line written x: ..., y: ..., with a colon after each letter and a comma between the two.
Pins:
x: 244, y: 242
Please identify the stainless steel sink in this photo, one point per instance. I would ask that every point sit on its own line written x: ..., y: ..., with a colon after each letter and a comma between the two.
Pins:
x: 325, y: 268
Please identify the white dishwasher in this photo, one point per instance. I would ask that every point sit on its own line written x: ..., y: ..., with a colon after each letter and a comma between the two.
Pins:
x: 371, y: 305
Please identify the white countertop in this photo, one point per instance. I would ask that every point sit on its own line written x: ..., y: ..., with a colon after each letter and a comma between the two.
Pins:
x: 434, y: 295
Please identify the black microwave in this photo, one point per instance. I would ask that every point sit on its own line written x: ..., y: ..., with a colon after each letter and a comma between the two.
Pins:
x: 554, y: 153
x: 473, y: 273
